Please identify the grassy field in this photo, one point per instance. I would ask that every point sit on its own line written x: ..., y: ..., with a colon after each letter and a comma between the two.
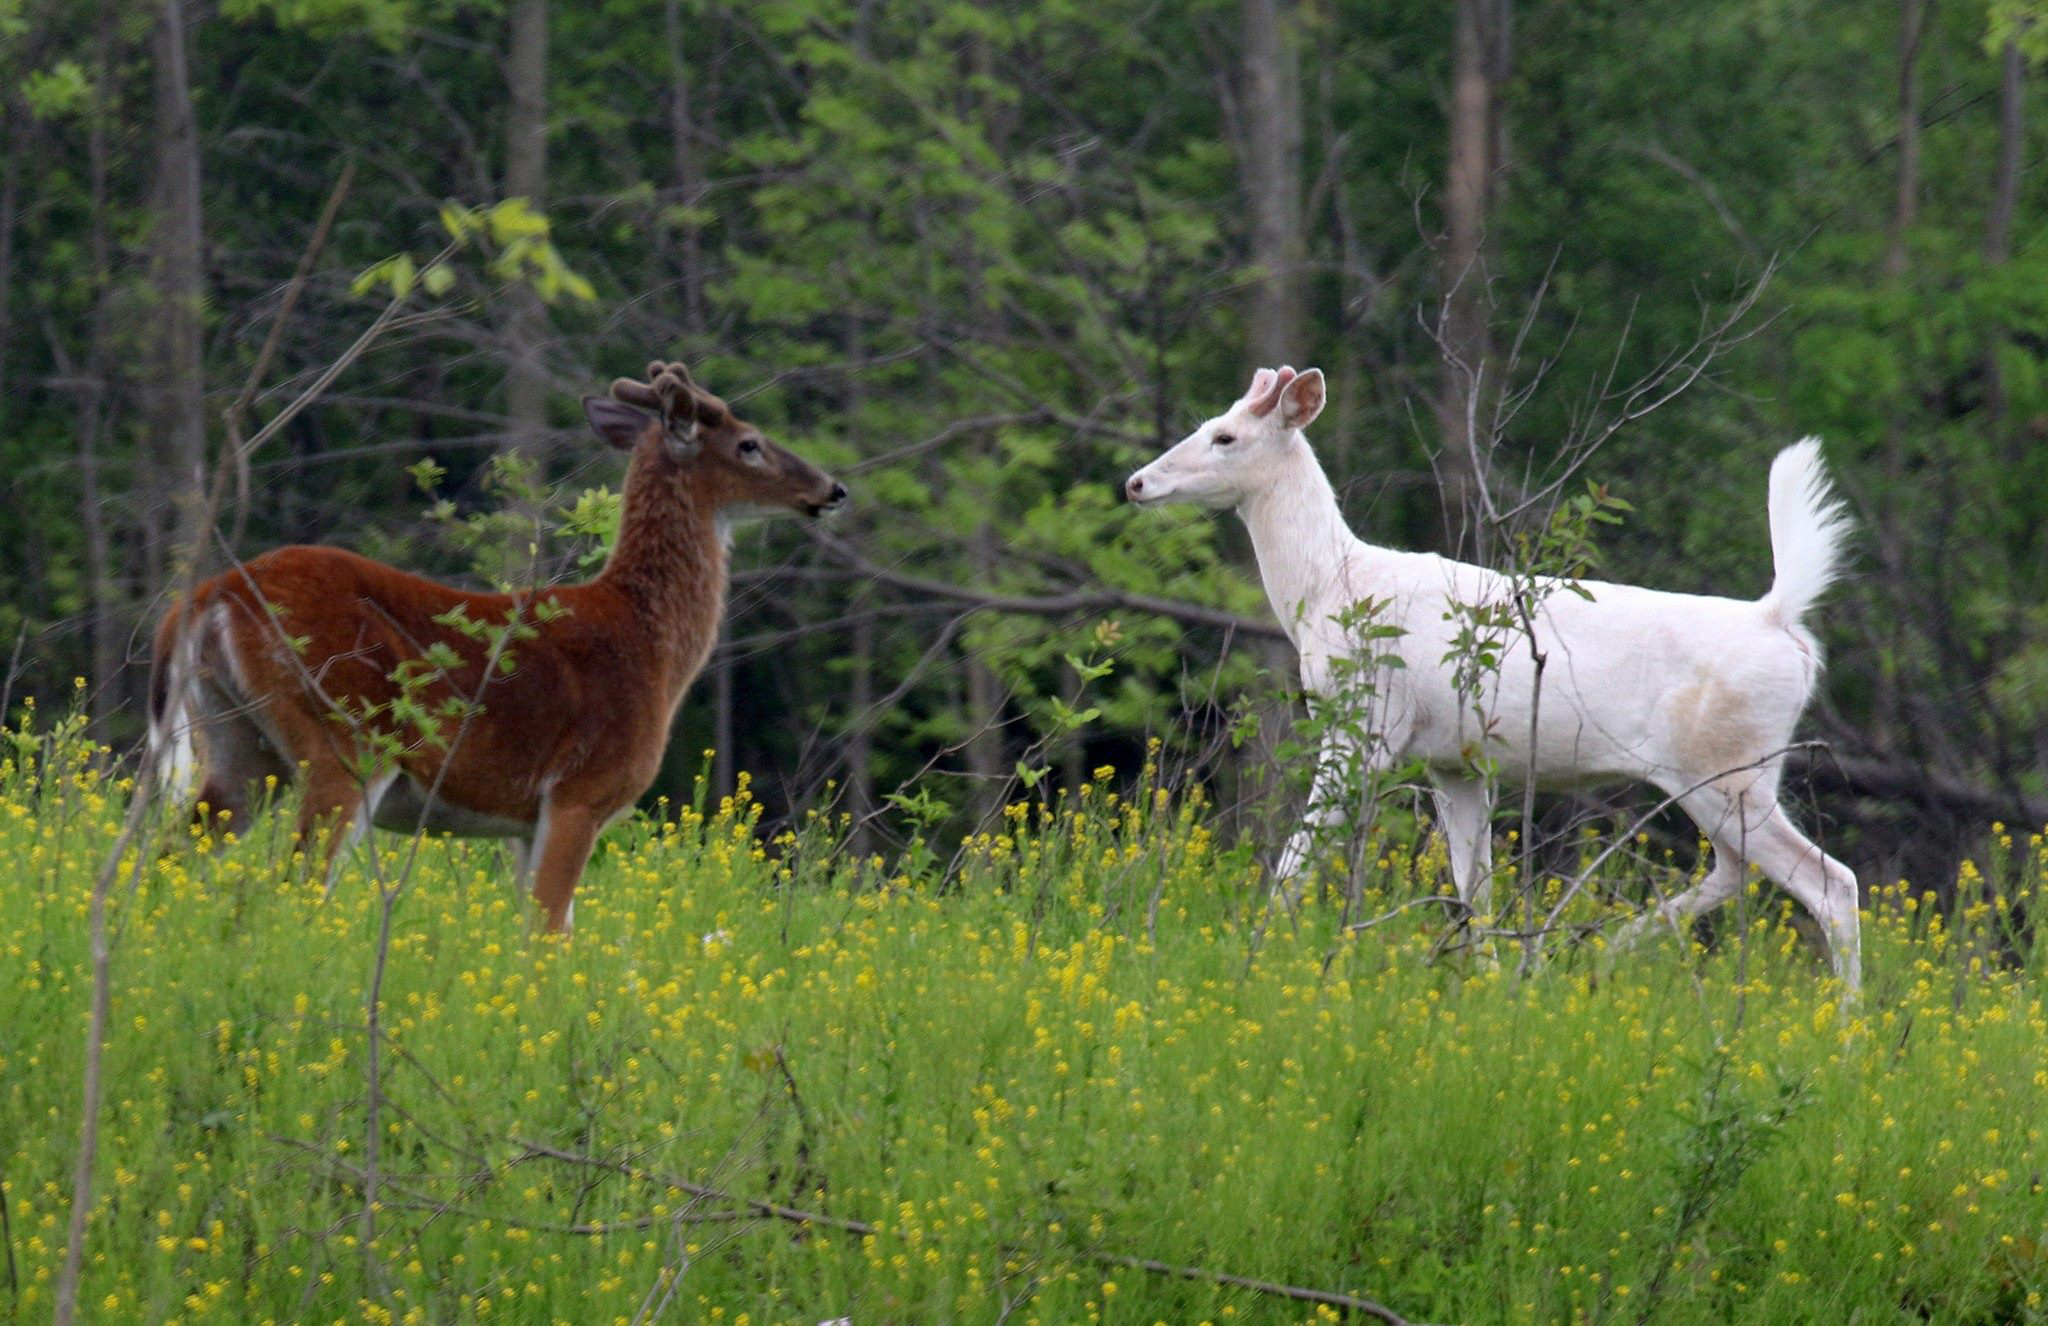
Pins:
x: 1084, y: 1048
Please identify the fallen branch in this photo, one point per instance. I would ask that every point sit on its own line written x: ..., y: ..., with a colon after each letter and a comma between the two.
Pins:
x: 794, y: 1215
x: 1273, y: 1287
x: 1910, y: 782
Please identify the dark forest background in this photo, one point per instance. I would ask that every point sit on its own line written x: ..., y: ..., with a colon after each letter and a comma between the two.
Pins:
x: 984, y: 259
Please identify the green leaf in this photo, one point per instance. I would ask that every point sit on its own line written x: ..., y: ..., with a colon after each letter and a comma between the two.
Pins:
x: 57, y: 91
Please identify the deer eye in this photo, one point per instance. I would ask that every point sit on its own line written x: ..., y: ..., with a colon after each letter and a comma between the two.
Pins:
x: 749, y: 447
x: 1224, y: 439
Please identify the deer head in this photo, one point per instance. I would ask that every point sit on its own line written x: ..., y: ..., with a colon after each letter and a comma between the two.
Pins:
x: 1233, y: 455
x: 683, y: 427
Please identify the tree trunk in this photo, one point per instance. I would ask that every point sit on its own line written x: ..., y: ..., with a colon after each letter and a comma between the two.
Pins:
x: 2005, y: 192
x: 177, y: 272
x: 985, y: 738
x: 1357, y: 290
x: 1270, y: 161
x: 107, y: 692
x: 526, y: 168
x: 1272, y: 181
x: 985, y: 746
x: 858, y: 766
x: 724, y: 765
x: 688, y: 170
x: 1887, y: 713
x: 1478, y: 66
x: 1913, y: 16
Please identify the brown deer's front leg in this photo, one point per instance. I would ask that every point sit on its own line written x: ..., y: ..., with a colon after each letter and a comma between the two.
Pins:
x: 339, y: 803
x: 561, y: 848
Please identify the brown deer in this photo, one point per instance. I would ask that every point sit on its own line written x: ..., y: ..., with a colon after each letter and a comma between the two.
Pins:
x: 408, y: 704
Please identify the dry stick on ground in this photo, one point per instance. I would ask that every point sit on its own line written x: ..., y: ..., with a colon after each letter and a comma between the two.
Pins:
x: 793, y: 1215
x: 141, y: 800
x: 758, y: 1205
x: 1351, y: 1302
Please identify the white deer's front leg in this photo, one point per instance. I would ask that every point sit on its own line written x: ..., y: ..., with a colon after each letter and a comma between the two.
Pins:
x: 1341, y: 768
x: 1464, y: 812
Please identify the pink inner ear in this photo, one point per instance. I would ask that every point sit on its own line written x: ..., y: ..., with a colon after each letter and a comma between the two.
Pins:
x: 1307, y: 397
x: 1263, y: 405
x: 1261, y: 380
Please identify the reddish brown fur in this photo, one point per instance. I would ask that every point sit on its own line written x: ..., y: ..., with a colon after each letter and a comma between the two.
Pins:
x: 574, y: 733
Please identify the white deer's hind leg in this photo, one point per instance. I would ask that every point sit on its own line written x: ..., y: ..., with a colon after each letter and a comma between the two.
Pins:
x: 1823, y: 885
x: 1723, y: 881
x: 1746, y: 825
x: 1464, y: 812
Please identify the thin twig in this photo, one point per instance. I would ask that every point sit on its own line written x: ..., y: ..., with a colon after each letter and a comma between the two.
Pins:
x: 1053, y: 605
x: 1439, y: 899
x: 231, y: 419
x: 758, y: 1205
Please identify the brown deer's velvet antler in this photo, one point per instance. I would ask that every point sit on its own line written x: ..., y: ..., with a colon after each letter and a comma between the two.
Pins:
x: 669, y: 392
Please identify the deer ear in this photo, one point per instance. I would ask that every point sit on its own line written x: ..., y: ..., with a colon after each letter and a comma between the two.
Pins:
x: 1302, y: 399
x: 1262, y: 382
x: 617, y: 424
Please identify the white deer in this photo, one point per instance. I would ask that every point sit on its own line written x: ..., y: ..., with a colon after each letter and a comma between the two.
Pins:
x: 1693, y: 694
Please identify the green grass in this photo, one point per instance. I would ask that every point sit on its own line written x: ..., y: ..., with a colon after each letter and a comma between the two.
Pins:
x: 1086, y: 1045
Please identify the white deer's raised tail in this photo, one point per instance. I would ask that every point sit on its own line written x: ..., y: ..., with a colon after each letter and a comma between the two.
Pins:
x: 1809, y: 532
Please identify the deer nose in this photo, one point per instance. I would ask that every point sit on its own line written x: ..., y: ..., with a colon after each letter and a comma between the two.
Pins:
x: 838, y: 493
x: 1134, y: 487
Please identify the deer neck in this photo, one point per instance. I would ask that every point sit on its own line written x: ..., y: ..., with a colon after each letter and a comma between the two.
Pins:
x: 669, y: 561
x: 1306, y: 553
